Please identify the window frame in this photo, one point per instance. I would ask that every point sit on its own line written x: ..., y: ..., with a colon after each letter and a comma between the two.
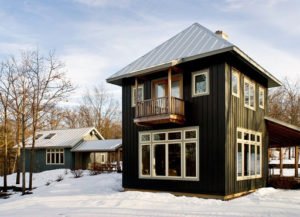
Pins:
x: 133, y: 98
x: 166, y: 144
x: 256, y: 144
x: 196, y: 73
x: 251, y: 84
x: 261, y: 89
x: 237, y: 73
x: 50, y: 151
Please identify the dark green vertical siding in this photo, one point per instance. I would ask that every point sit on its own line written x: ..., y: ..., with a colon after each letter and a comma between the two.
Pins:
x: 237, y: 115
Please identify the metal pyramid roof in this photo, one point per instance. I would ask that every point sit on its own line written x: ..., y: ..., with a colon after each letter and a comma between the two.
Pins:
x: 192, y: 41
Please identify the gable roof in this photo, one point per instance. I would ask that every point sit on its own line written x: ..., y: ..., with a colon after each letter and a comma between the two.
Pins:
x: 61, y: 138
x: 98, y: 145
x: 194, y: 42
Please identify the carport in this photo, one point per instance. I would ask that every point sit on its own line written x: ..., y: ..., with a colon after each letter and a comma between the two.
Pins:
x: 283, y: 135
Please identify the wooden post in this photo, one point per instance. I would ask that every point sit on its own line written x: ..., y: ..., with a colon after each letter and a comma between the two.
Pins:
x: 280, y: 160
x: 94, y: 161
x: 170, y: 89
x: 296, y: 161
x: 118, y: 159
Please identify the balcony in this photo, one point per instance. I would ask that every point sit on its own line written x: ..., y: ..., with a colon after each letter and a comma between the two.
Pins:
x: 159, y: 111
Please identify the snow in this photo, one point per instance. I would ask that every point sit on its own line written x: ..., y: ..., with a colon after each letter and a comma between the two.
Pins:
x: 102, y: 195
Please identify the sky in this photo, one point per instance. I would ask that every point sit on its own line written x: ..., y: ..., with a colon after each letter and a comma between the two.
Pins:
x: 96, y: 38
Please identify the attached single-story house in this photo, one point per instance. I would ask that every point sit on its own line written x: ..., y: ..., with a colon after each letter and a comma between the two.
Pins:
x: 70, y: 149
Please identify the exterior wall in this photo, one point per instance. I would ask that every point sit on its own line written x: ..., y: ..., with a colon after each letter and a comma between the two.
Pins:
x: 40, y: 160
x: 207, y: 112
x: 237, y: 115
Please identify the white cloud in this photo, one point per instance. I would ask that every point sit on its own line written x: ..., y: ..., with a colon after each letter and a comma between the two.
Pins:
x: 104, y: 3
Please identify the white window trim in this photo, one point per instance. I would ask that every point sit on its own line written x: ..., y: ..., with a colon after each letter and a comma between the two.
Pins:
x: 166, y: 143
x: 194, y: 74
x: 250, y: 143
x: 132, y: 95
x: 237, y: 73
x: 53, y: 150
x: 251, y: 83
x: 261, y: 89
x: 105, y: 158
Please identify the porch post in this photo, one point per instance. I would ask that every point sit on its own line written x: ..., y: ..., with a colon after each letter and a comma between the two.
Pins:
x: 118, y: 159
x: 170, y: 89
x: 280, y: 160
x: 94, y: 161
x: 136, y: 97
x: 296, y: 160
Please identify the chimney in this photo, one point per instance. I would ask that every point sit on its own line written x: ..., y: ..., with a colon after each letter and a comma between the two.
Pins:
x: 221, y: 34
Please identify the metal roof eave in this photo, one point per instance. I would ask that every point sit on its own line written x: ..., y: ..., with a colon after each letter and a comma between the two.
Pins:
x: 282, y: 123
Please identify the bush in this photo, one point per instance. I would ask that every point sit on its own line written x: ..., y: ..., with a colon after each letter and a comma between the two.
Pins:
x: 77, y: 173
x: 94, y: 172
x: 66, y: 171
x: 59, y: 178
x: 48, y: 182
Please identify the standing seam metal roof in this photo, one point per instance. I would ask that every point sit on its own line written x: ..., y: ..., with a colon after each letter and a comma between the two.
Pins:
x: 194, y: 40
x: 98, y: 145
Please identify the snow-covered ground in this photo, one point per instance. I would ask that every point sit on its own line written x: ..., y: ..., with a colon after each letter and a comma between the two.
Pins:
x: 102, y: 195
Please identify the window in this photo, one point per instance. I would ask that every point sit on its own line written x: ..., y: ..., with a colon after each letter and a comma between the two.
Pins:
x: 49, y: 136
x: 261, y: 97
x: 54, y: 156
x: 38, y: 136
x: 235, y: 83
x: 200, y: 83
x: 140, y: 94
x: 248, y: 158
x: 249, y: 94
x: 172, y: 154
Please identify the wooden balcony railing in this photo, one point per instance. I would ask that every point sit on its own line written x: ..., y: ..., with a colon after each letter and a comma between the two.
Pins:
x: 160, y: 106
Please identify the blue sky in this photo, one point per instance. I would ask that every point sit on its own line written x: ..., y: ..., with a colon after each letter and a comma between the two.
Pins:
x: 96, y: 38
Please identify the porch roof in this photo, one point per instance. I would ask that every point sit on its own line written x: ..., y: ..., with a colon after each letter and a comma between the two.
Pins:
x: 98, y: 145
x: 282, y: 134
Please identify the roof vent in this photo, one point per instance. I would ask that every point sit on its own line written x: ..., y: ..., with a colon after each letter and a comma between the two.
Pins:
x: 221, y: 34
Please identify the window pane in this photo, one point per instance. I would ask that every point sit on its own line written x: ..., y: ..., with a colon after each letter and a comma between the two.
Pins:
x: 252, y: 95
x: 52, y: 158
x: 261, y: 97
x: 160, y: 159
x: 258, y: 138
x: 174, y: 160
x: 61, y: 158
x: 257, y: 160
x: 200, y: 83
x: 140, y: 94
x: 176, y: 89
x: 234, y: 83
x: 246, y: 93
x: 57, y: 158
x: 239, y: 135
x: 146, y: 160
x: 145, y: 138
x: 246, y: 136
x: 190, y: 134
x: 246, y: 160
x: 190, y: 159
x: 48, y: 158
x: 174, y: 135
x: 159, y: 136
x: 160, y: 90
x: 252, y: 137
x: 252, y: 172
x: 239, y: 160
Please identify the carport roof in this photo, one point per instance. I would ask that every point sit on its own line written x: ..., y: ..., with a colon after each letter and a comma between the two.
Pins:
x: 282, y: 134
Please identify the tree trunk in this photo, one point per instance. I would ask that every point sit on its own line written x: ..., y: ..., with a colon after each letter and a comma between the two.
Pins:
x: 5, y: 151
x: 18, y: 151
x: 23, y: 156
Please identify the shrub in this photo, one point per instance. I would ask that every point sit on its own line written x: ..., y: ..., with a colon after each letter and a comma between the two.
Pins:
x: 66, y: 171
x: 94, y: 172
x: 48, y: 182
x: 59, y: 178
x: 77, y: 173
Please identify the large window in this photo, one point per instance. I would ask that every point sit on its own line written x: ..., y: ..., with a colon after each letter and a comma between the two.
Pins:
x: 140, y: 96
x: 261, y: 97
x: 235, y: 83
x: 249, y: 94
x: 54, y: 156
x: 200, y: 83
x: 169, y: 154
x: 248, y: 158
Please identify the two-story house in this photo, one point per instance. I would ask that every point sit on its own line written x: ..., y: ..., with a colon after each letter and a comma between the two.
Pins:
x: 193, y: 117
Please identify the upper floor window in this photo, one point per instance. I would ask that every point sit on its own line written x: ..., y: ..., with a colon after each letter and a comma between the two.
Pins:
x: 249, y: 94
x: 235, y: 83
x: 200, y: 83
x: 140, y: 94
x: 261, y: 97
